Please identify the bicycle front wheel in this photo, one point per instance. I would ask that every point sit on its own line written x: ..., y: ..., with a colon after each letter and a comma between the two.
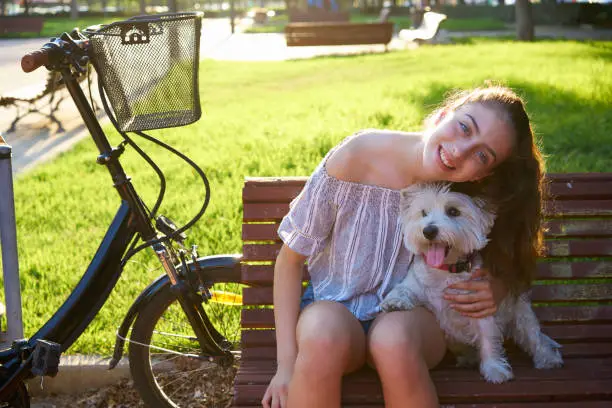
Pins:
x: 168, y: 366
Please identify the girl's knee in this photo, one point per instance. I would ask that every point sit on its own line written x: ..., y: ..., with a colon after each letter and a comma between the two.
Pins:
x: 329, y: 338
x: 406, y: 339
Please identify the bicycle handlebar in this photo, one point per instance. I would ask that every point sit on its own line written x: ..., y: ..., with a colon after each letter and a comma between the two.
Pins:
x: 62, y: 51
x: 34, y: 60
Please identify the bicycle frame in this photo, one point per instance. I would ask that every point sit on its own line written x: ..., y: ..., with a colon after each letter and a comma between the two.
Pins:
x: 101, y: 276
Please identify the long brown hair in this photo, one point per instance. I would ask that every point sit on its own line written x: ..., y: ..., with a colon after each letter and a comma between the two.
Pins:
x: 514, y: 189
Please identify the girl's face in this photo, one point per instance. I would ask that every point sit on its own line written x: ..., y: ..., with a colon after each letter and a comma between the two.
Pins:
x: 466, y: 144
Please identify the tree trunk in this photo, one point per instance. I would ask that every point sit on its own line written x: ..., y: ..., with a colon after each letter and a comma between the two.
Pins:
x: 524, y: 20
x: 143, y: 7
x: 74, y: 9
x: 26, y: 7
x: 2, y: 7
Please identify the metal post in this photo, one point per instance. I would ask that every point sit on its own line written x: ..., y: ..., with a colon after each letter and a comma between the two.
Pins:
x: 8, y: 240
x: 232, y: 16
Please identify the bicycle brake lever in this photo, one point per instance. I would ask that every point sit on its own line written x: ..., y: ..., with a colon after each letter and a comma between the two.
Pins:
x: 167, y: 227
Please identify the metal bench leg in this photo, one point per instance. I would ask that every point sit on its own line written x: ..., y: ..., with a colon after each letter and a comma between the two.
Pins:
x: 17, y: 119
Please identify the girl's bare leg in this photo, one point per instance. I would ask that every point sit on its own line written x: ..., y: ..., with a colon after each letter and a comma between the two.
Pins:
x: 331, y: 342
x: 403, y: 346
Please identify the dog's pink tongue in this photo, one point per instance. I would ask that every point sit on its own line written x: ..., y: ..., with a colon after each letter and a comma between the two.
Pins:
x: 435, y: 255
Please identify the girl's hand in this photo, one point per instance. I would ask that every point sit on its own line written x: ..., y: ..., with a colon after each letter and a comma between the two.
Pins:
x: 482, y: 299
x: 276, y: 394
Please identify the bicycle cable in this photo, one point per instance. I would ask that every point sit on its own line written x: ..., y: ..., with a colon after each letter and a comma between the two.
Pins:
x: 200, y: 213
x: 172, y: 150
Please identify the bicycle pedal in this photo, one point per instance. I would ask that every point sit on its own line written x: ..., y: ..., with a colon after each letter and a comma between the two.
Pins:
x: 46, y: 358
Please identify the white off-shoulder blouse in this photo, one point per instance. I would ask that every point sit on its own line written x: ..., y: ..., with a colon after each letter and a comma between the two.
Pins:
x: 352, y: 237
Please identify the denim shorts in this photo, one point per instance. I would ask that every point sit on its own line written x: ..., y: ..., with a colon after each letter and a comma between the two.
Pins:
x: 308, y: 298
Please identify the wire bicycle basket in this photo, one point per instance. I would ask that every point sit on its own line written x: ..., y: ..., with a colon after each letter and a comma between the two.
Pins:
x: 148, y: 66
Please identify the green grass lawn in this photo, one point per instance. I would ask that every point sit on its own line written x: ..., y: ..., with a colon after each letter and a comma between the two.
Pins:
x: 279, y: 119
x: 277, y: 24
x: 54, y: 26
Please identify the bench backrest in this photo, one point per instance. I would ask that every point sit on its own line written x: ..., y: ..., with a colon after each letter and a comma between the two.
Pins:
x: 319, y: 33
x: 431, y: 23
x: 21, y: 24
x: 572, y: 295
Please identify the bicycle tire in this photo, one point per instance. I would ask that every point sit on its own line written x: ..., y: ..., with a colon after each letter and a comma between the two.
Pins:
x: 167, y: 380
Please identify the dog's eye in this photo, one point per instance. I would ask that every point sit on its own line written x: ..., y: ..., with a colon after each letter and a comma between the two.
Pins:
x: 452, y: 212
x: 424, y: 213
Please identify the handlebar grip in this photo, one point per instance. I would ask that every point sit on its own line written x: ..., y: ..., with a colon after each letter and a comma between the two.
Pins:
x: 35, y: 60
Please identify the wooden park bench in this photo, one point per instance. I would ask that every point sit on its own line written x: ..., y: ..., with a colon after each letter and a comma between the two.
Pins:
x: 572, y: 298
x: 21, y: 24
x: 340, y: 32
x: 427, y: 31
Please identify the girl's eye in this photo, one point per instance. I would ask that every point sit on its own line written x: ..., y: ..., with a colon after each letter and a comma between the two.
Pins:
x: 452, y: 212
x: 464, y: 128
x: 482, y: 156
x: 424, y: 213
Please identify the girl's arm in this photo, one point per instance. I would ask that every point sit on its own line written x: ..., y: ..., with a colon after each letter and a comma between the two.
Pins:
x: 287, y: 294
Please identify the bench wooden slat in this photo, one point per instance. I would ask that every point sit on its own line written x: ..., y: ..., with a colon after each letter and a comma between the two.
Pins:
x: 554, y: 249
x: 584, y: 404
x: 557, y: 228
x: 264, y: 274
x: 264, y: 318
x: 578, y: 208
x: 578, y: 228
x: 572, y: 350
x: 258, y: 371
x: 562, y: 333
x: 597, y: 292
x: 585, y: 292
x: 467, y: 391
x: 560, y: 186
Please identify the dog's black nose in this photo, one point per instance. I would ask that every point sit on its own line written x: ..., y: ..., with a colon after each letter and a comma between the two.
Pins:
x: 430, y: 231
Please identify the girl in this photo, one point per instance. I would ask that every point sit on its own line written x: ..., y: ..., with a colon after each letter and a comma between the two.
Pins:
x: 344, y: 223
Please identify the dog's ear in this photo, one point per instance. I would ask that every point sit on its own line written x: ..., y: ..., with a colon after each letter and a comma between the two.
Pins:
x: 408, y: 193
x: 488, y: 211
x: 485, y: 205
x: 407, y: 196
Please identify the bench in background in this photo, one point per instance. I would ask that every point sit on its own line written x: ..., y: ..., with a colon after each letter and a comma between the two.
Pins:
x: 427, y: 31
x: 340, y: 32
x: 308, y: 34
x: 572, y: 298
x: 21, y: 25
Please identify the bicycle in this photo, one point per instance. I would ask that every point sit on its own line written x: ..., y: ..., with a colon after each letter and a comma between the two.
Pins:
x: 147, y: 69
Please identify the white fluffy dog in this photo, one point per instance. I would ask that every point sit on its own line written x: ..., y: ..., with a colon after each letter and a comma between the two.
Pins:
x: 445, y: 230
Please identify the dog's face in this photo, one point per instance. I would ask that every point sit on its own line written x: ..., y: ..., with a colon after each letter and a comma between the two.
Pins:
x: 442, y: 225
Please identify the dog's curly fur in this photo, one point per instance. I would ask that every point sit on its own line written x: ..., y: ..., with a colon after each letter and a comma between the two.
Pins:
x: 461, y: 224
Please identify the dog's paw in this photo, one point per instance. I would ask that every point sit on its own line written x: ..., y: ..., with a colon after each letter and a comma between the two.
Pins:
x: 392, y: 304
x: 496, y: 371
x: 548, y: 358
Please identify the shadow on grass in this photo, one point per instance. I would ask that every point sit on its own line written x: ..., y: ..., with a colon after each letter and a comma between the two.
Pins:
x: 575, y: 130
